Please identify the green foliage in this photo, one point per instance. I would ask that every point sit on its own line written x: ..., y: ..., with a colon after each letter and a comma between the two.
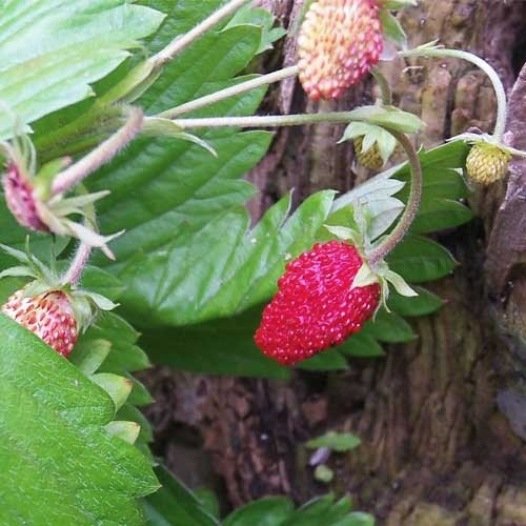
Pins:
x: 225, y: 346
x: 59, y: 464
x: 277, y: 511
x: 52, y: 50
x: 175, y: 504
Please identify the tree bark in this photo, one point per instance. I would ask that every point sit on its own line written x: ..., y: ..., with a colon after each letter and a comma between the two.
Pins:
x: 443, y: 419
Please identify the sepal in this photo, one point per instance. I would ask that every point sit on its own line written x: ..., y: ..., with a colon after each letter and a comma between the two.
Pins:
x: 125, y: 430
x: 372, y: 135
x: 117, y: 387
x: 388, y: 117
x: 364, y: 277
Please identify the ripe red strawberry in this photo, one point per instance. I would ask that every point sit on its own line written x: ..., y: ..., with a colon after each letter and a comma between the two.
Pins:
x: 20, y: 199
x: 315, y: 306
x: 339, y: 43
x: 49, y: 315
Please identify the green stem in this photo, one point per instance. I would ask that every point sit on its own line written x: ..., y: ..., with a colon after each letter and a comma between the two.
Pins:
x: 270, y: 121
x: 379, y: 253
x: 79, y: 262
x: 387, y: 94
x: 502, y: 105
x: 181, y: 42
x: 232, y: 91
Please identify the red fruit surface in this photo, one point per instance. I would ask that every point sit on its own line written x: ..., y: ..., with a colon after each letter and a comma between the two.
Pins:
x: 315, y: 306
x: 20, y: 199
x: 48, y: 315
x: 339, y: 43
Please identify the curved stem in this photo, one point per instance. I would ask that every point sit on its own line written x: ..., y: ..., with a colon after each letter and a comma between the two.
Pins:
x: 238, y: 89
x: 500, y: 92
x: 270, y: 121
x: 387, y: 94
x: 181, y: 42
x: 413, y: 203
x: 100, y: 155
x: 79, y: 262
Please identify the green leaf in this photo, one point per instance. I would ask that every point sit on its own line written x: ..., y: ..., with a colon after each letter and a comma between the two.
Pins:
x: 52, y: 50
x: 198, y: 259
x: 389, y: 327
x: 329, y: 360
x: 339, y: 442
x: 263, y: 18
x: 361, y: 346
x: 87, y: 476
x: 439, y: 214
x: 425, y: 303
x: 223, y: 346
x: 203, y: 275
x: 329, y: 512
x: 175, y: 505
x: 271, y: 511
x: 418, y: 260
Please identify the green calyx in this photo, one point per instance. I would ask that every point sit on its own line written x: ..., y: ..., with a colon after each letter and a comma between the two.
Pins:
x: 371, y: 142
x: 54, y: 209
x: 85, y: 304
x: 368, y: 274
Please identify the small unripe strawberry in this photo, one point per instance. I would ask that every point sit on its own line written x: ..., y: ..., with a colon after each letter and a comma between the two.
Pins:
x: 316, y: 305
x: 371, y: 158
x: 49, y: 316
x: 487, y: 163
x: 339, y: 43
x: 20, y: 199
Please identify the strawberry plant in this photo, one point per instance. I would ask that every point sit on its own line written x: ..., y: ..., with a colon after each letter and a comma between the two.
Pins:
x: 126, y: 135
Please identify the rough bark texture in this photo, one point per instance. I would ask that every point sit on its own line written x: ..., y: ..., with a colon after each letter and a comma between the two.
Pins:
x: 441, y: 419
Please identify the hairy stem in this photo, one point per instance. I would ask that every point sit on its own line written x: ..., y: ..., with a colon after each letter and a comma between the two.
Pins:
x: 181, y: 42
x: 270, y: 121
x: 415, y: 195
x: 500, y: 92
x: 238, y: 89
x: 79, y: 262
x: 106, y: 151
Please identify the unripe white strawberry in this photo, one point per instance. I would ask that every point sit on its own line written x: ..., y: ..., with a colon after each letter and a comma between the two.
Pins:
x: 487, y: 163
x: 48, y: 315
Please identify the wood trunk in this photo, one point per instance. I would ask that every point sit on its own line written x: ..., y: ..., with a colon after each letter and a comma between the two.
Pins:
x: 443, y: 419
